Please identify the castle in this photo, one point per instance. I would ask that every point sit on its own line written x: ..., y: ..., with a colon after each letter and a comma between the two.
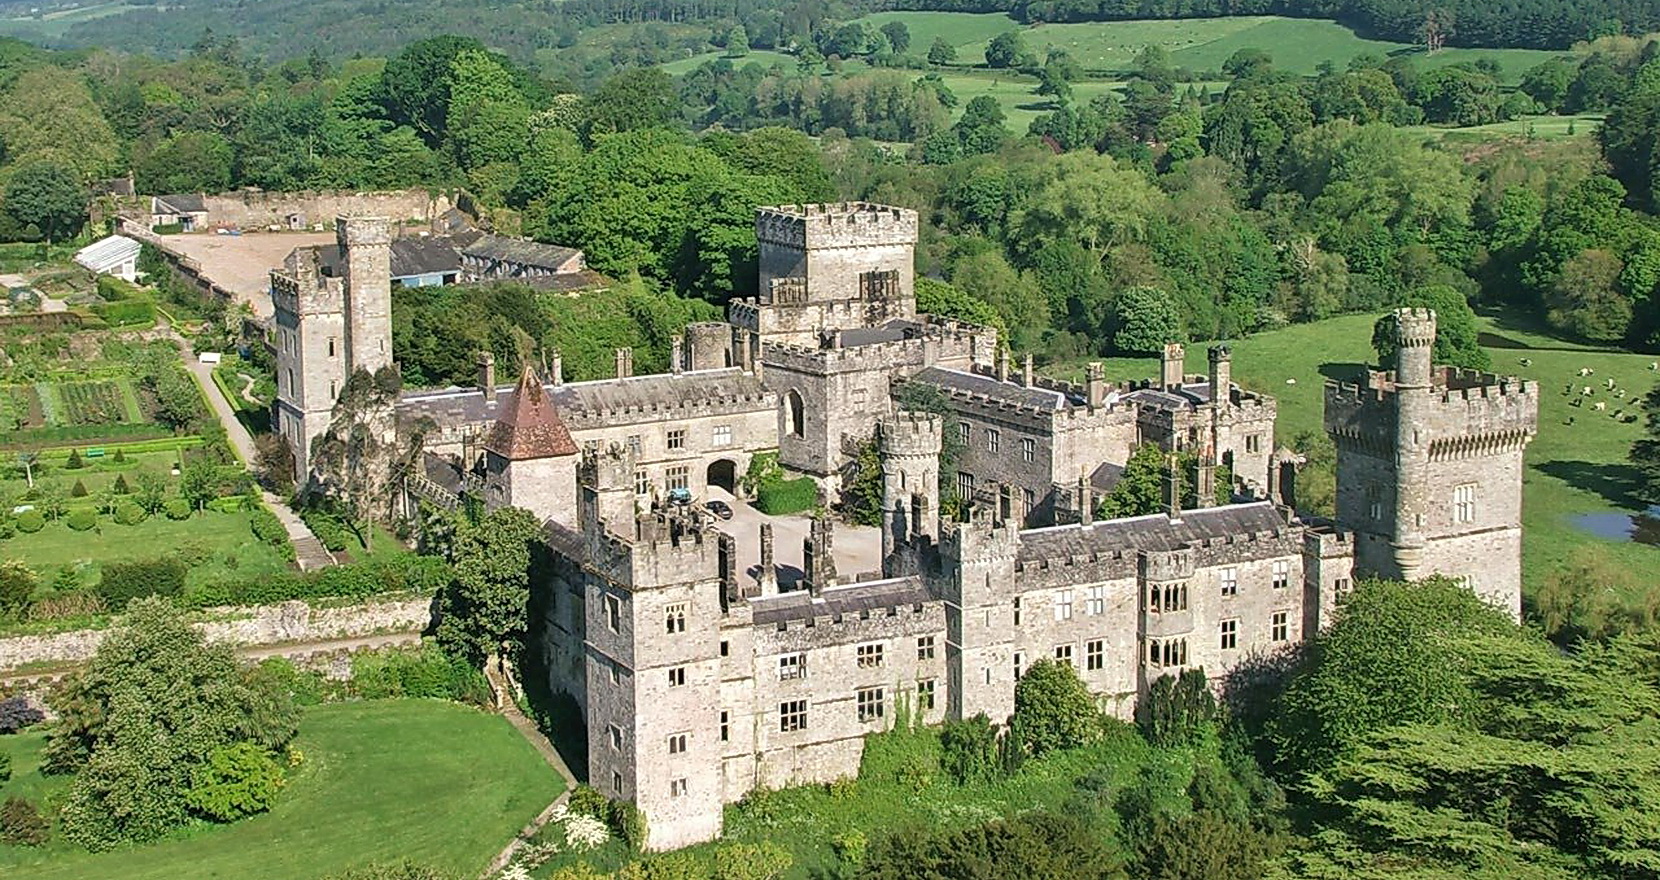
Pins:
x: 702, y: 675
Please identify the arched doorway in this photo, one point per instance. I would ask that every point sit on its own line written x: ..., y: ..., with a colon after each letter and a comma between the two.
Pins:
x: 723, y: 472
x: 794, y: 414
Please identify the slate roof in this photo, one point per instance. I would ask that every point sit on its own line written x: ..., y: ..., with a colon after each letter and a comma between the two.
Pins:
x: 520, y: 252
x: 107, y: 253
x: 529, y: 426
x: 1187, y: 397
x: 852, y: 599
x: 892, y: 331
x: 409, y: 257
x: 184, y: 203
x: 584, y: 404
x: 1155, y: 532
x: 988, y: 386
x: 442, y: 471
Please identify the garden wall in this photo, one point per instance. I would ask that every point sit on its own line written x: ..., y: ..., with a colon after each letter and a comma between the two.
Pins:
x: 252, y: 209
x: 287, y: 624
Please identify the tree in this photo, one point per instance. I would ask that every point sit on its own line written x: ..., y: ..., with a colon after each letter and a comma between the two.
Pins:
x: 1587, y: 301
x: 17, y: 585
x: 1005, y: 50
x: 49, y: 115
x: 356, y: 459
x: 899, y: 36
x: 236, y: 781
x: 483, y: 610
x: 1052, y: 709
x: 737, y: 42
x: 414, y: 87
x: 640, y: 98
x: 1030, y: 846
x: 1645, y: 453
x: 981, y: 129
x: 188, y: 162
x: 150, y: 708
x: 1176, y: 708
x: 1457, y: 336
x: 487, y: 120
x: 1143, y: 320
x: 44, y: 200
x: 941, y: 52
x: 1140, y: 488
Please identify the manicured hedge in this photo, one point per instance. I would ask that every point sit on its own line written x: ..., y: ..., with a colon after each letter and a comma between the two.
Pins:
x: 31, y: 521
x: 127, y: 313
x: 394, y: 574
x: 327, y: 528
x: 426, y: 672
x: 124, y: 581
x: 128, y: 514
x: 81, y: 520
x: 786, y: 496
x: 176, y: 508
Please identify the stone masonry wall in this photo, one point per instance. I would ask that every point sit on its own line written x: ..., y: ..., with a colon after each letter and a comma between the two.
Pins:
x: 252, y: 209
x: 289, y: 622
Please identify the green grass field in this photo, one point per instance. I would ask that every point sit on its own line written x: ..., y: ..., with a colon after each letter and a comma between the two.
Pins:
x: 1541, y: 127
x: 55, y: 24
x: 765, y: 59
x: 1200, y: 45
x: 1571, y: 469
x: 434, y: 782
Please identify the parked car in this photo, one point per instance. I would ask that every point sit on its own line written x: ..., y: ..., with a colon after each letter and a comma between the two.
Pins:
x: 680, y: 496
x: 720, y: 508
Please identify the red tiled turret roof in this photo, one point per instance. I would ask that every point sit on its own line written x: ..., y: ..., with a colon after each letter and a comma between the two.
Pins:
x: 529, y: 427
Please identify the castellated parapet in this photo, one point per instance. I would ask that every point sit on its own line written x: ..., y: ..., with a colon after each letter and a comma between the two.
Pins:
x: 844, y: 224
x: 1471, y: 412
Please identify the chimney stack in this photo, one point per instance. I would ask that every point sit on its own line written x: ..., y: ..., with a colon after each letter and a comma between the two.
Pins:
x: 1003, y: 366
x: 1026, y: 371
x: 769, y: 570
x: 1097, y: 384
x: 1170, y: 378
x: 487, y: 375
x: 556, y: 372
x: 677, y: 355
x: 1086, y: 504
x: 625, y: 363
x: 1221, y: 374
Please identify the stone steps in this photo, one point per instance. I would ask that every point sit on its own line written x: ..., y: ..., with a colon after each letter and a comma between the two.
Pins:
x: 309, y: 552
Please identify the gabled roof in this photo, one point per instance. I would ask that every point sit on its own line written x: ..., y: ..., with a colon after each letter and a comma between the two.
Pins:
x: 518, y: 251
x: 183, y: 203
x: 107, y: 253
x: 528, y: 426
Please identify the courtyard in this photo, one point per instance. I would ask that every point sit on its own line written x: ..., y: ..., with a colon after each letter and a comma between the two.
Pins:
x: 857, y: 549
x: 242, y: 263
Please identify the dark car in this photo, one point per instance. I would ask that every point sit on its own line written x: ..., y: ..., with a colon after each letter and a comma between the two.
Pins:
x: 720, y: 508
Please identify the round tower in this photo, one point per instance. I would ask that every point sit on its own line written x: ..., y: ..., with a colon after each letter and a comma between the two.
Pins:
x: 909, y: 444
x: 1414, y: 415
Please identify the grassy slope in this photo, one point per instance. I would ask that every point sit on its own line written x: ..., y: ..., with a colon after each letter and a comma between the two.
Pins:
x: 384, y: 780
x: 1572, y: 469
x: 1298, y: 45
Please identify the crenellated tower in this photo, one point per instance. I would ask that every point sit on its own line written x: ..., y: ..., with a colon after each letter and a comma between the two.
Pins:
x: 981, y: 612
x: 1429, y: 466
x: 909, y: 444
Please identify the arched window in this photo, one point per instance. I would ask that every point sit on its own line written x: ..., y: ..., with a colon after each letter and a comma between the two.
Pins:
x: 794, y: 414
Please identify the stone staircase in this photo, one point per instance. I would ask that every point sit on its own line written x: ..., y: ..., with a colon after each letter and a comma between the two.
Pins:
x: 309, y: 553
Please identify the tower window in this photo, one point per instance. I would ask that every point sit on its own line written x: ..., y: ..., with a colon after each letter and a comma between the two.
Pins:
x: 1017, y: 611
x: 1094, y: 654
x: 675, y: 617
x: 965, y: 432
x: 642, y: 482
x: 869, y: 655
x: 1167, y: 652
x: 925, y: 647
x: 677, y: 438
x: 677, y: 743
x: 1230, y: 581
x: 1253, y: 443
x: 616, y: 736
x: 925, y: 694
x: 1063, y: 605
x: 1374, y: 501
x: 1464, y: 503
x: 613, y: 613
x: 792, y: 666
x: 1063, y: 654
x: 965, y: 485
x: 1019, y: 664
x: 678, y: 788
x: 725, y: 725
x: 1098, y: 599
x: 1230, y: 635
x: 994, y: 440
x: 677, y: 676
x: 1279, y: 626
x: 331, y: 346
x: 1282, y: 574
x: 1028, y: 449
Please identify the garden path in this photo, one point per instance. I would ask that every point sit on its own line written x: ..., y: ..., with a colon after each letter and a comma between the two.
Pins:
x: 504, y: 688
x: 309, y: 552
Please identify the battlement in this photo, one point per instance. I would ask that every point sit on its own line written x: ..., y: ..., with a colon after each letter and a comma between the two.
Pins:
x: 666, y: 548
x: 911, y: 433
x: 1327, y: 542
x: 924, y: 346
x: 1414, y: 328
x: 843, y: 224
x: 1467, y: 411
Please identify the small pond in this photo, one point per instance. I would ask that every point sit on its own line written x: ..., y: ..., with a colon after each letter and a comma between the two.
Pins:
x: 1643, y: 528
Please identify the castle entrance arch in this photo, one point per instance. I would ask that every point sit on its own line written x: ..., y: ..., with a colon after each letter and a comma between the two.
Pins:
x: 723, y: 472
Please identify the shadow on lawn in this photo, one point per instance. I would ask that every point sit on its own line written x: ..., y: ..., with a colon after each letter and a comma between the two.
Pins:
x: 1616, y: 483
x: 1344, y: 371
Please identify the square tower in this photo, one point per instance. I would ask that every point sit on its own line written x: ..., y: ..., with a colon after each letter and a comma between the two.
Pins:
x: 1429, y: 467
x: 853, y: 261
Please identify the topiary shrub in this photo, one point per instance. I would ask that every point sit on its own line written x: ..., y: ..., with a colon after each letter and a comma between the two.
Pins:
x: 81, y: 520
x: 129, y: 514
x: 78, y: 490
x: 120, y: 486
x: 16, y: 714
x: 124, y: 581
x: 21, y: 824
x: 5, y: 766
x: 120, y: 457
x: 237, y: 781
x: 31, y: 521
x: 74, y: 463
x: 176, y: 508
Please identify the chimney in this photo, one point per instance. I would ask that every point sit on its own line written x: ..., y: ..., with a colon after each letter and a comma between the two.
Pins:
x: 1221, y: 374
x: 1170, y: 378
x: 769, y: 570
x: 818, y: 554
x: 743, y: 359
x: 625, y: 363
x: 1097, y: 384
x: 1173, y: 487
x: 1204, y: 488
x: 487, y: 375
x: 1003, y: 366
x: 677, y: 355
x: 1086, y: 504
x: 1026, y: 371
x: 556, y: 372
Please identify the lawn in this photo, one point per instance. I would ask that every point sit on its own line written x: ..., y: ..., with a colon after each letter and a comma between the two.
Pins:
x: 763, y: 58
x: 222, y: 543
x: 1572, y: 469
x: 1540, y: 127
x: 1200, y: 45
x: 434, y: 782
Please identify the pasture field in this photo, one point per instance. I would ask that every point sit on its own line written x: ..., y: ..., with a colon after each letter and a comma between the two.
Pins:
x: 763, y: 58
x: 383, y: 780
x: 1572, y: 469
x: 52, y: 25
x: 1198, y: 44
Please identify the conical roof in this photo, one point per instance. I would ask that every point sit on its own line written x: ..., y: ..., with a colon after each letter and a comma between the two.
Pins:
x: 529, y: 427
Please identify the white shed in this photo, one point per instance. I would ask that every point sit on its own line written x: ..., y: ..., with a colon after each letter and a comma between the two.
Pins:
x: 116, y: 255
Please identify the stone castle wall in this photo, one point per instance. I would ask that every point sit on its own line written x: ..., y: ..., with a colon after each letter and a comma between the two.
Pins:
x: 254, y: 209
x: 257, y: 626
